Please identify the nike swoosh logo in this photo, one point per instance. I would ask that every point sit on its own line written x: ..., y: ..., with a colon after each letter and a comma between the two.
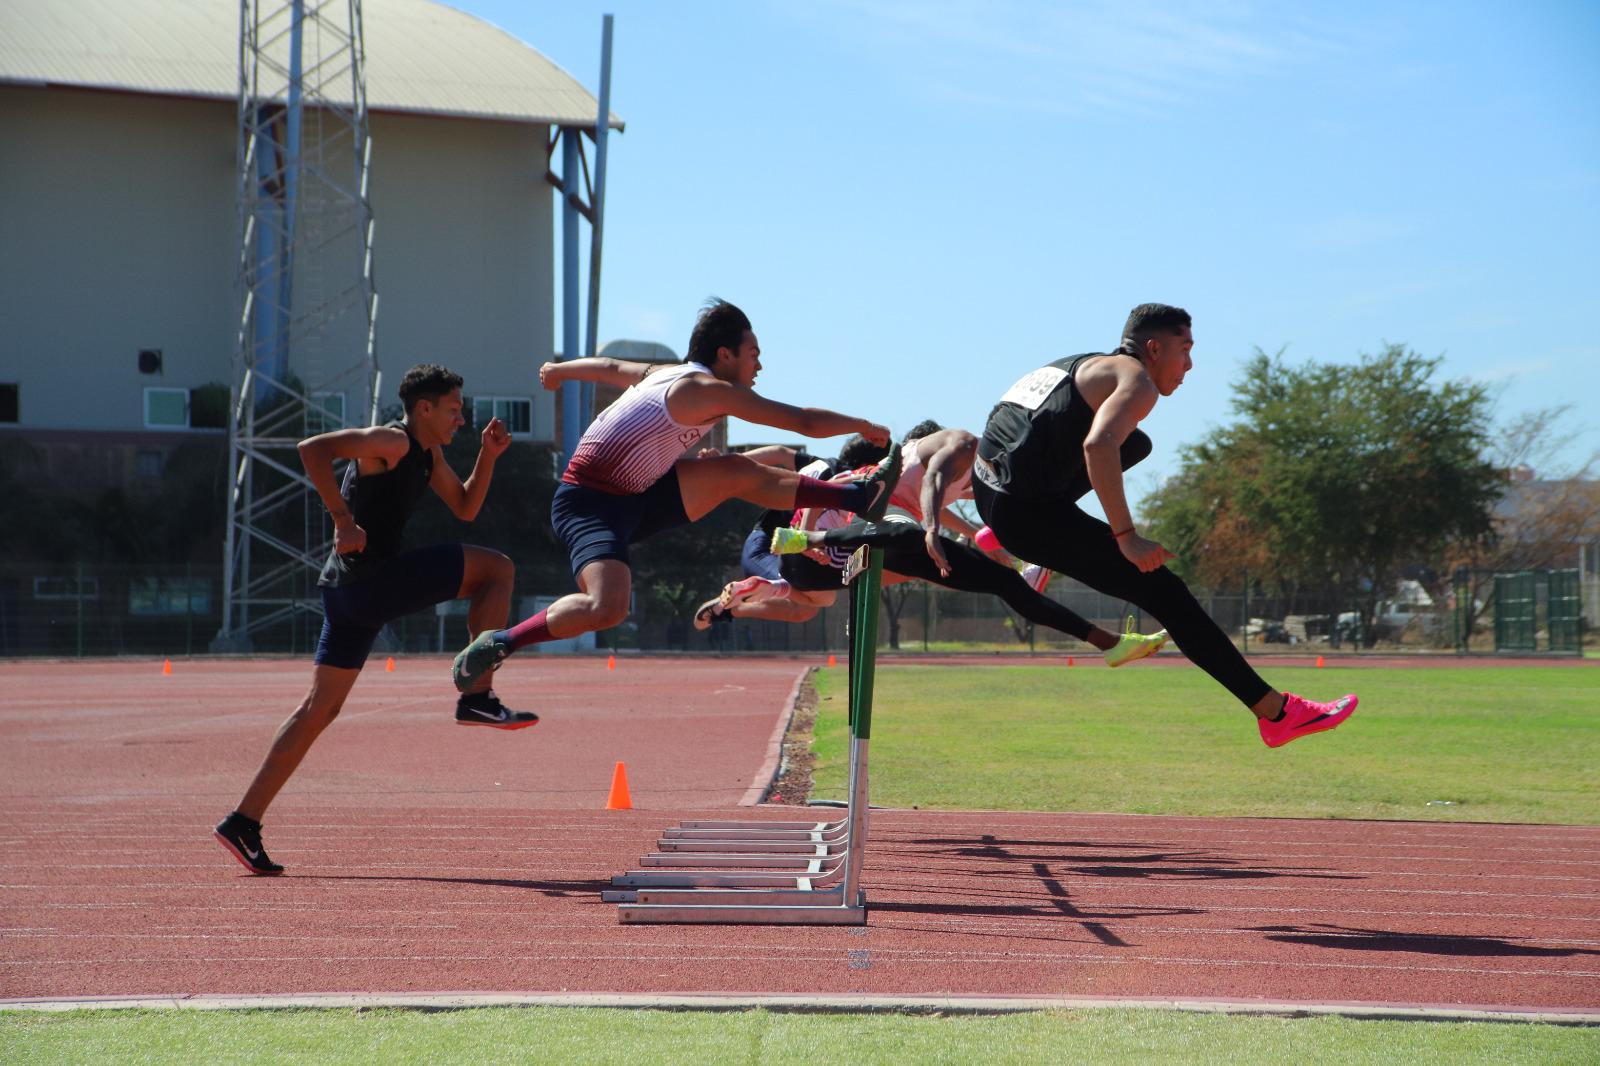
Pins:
x: 1338, y: 709
x: 252, y: 854
x: 497, y: 716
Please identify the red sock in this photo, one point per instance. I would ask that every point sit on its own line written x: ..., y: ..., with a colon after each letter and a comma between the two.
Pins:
x: 834, y: 495
x: 534, y: 630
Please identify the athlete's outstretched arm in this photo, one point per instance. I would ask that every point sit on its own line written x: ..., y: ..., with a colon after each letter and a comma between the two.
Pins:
x: 774, y: 455
x: 953, y: 450
x: 380, y: 446
x: 465, y: 500
x: 1130, y: 401
x: 621, y: 373
x: 701, y: 398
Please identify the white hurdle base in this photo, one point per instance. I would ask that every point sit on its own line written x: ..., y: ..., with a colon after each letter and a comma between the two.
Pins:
x: 731, y: 872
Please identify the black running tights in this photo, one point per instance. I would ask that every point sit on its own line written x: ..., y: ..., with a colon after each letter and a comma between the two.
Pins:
x: 1052, y: 531
x: 905, y: 552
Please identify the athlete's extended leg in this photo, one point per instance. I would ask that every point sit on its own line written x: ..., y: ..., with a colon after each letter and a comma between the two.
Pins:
x: 1055, y: 533
x: 706, y: 483
x: 796, y: 607
x: 600, y: 603
x: 330, y: 686
x: 905, y: 552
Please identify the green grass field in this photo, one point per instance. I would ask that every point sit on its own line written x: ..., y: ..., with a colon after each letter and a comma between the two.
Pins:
x: 554, y: 1035
x: 1501, y: 744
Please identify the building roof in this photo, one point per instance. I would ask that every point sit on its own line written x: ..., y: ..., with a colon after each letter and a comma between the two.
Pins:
x: 640, y: 352
x: 422, y: 57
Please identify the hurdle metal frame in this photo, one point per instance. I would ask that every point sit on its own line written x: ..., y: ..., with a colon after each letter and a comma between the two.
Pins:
x: 733, y: 872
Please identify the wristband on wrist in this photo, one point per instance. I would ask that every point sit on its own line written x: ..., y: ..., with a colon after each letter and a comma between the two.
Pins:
x: 1124, y: 533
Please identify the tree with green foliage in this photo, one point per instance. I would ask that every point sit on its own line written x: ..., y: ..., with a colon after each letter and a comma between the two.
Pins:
x: 1332, y: 478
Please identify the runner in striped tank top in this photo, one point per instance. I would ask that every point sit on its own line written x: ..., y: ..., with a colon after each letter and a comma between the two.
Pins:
x: 628, y: 477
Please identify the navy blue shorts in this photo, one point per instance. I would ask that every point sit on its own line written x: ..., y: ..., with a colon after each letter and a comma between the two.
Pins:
x: 410, y: 582
x: 800, y: 571
x: 598, y: 525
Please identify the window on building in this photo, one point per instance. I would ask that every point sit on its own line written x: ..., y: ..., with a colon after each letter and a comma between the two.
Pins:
x: 66, y: 588
x: 10, y: 402
x: 325, y: 413
x: 208, y: 406
x: 203, y: 408
x: 166, y: 408
x: 169, y: 595
x: 515, y: 411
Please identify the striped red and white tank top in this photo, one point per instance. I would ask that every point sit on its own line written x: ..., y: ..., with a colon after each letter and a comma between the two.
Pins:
x: 633, y: 442
x: 908, y: 490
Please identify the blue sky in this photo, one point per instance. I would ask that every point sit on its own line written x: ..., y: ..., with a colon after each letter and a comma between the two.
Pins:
x: 918, y: 202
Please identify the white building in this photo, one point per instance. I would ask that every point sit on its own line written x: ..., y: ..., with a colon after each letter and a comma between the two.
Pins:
x: 119, y: 228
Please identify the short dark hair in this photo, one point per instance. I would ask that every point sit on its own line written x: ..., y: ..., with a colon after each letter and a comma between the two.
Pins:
x: 426, y: 381
x: 922, y: 429
x: 1148, y: 320
x: 858, y: 451
x: 719, y: 325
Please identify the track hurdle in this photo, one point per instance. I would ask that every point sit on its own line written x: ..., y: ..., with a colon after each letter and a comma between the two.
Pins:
x: 774, y: 872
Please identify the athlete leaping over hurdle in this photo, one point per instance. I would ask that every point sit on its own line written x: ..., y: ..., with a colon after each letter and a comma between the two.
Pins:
x: 912, y: 537
x: 1071, y: 426
x: 628, y: 479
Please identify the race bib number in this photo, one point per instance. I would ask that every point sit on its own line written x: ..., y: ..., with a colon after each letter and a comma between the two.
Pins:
x: 1031, y: 391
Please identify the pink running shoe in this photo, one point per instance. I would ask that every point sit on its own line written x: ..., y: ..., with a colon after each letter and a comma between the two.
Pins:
x: 1302, y: 717
x: 745, y: 590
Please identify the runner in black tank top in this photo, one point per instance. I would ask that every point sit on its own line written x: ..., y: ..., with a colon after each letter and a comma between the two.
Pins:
x: 369, y: 581
x: 381, y: 503
x: 1070, y: 426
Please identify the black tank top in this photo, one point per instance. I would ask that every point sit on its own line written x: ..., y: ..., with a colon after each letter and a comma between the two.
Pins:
x: 381, y: 504
x: 1033, y: 442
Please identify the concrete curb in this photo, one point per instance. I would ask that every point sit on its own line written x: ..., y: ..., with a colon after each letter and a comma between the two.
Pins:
x: 858, y: 1004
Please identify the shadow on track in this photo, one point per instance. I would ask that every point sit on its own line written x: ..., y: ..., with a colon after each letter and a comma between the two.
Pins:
x: 547, y: 888
x: 1354, y: 939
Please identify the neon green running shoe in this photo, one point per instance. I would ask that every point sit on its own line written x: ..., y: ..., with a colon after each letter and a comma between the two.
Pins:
x: 786, y: 540
x: 1134, y: 645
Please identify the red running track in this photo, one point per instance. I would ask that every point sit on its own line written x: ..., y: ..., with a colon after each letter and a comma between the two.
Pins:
x: 429, y: 858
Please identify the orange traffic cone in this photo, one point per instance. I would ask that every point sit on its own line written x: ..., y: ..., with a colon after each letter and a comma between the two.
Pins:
x: 389, y: 666
x: 166, y: 667
x: 1069, y: 660
x: 1319, y: 662
x: 611, y: 664
x: 833, y: 661
x: 618, y: 800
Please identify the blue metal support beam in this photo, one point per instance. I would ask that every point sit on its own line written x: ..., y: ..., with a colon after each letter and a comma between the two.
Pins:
x: 571, y: 395
x: 597, y: 208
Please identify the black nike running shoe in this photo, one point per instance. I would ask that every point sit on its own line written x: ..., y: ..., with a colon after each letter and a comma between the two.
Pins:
x: 884, y: 480
x: 241, y: 836
x: 485, y: 708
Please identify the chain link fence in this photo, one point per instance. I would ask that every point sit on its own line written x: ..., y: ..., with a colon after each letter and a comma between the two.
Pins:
x: 85, y: 610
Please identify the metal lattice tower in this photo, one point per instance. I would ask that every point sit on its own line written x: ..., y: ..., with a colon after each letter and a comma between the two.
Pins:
x: 305, y: 360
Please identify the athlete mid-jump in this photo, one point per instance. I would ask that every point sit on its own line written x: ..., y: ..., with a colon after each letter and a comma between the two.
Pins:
x: 1071, y: 426
x: 629, y: 479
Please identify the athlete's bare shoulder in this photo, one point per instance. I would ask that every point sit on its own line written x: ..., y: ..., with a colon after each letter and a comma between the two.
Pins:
x: 1099, y: 376
x: 697, y: 398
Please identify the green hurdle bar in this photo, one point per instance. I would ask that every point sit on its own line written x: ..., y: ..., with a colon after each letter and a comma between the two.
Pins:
x: 774, y: 872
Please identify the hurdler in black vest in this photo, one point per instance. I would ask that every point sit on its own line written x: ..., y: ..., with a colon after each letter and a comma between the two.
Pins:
x: 381, y: 504
x: 1033, y: 442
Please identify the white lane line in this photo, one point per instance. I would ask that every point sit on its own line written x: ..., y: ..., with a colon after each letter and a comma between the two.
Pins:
x: 918, y: 958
